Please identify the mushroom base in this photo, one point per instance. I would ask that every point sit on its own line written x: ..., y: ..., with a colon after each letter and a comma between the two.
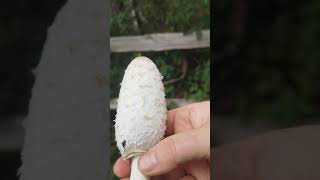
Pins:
x: 132, y: 153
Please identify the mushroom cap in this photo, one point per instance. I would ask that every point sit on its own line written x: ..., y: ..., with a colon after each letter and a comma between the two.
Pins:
x: 141, y: 111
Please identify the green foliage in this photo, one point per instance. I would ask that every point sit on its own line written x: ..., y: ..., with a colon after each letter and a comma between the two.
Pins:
x: 159, y: 16
x: 199, y: 82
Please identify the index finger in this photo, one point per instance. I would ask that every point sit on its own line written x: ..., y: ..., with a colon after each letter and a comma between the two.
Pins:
x: 178, y: 120
x: 187, y: 117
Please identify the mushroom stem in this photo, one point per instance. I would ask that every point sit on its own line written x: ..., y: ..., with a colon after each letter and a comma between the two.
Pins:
x: 135, y: 172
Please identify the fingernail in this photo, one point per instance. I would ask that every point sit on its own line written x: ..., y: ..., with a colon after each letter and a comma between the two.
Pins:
x: 148, y: 161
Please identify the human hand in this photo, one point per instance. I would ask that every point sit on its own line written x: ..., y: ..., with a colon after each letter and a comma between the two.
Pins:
x: 184, y: 153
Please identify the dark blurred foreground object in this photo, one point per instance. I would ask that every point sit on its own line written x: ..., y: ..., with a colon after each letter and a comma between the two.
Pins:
x: 9, y: 163
x: 23, y: 29
x: 284, y: 154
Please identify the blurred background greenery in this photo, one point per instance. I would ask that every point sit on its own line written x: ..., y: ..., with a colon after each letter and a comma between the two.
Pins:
x: 267, y: 60
x: 156, y: 17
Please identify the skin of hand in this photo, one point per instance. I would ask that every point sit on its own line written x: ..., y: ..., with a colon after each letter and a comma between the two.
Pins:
x: 286, y: 154
x: 185, y: 151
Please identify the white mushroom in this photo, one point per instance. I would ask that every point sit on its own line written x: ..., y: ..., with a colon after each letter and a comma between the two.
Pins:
x: 141, y: 111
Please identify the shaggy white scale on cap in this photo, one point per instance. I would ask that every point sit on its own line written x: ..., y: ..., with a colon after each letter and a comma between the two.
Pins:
x: 141, y: 111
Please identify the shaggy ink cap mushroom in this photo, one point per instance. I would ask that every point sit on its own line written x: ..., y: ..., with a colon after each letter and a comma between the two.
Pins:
x: 141, y: 110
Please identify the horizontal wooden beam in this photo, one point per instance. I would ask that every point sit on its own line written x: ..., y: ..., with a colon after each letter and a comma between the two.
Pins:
x: 176, y: 101
x: 160, y: 42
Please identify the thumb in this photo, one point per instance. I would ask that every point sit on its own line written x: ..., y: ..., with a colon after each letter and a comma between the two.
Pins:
x: 176, y: 149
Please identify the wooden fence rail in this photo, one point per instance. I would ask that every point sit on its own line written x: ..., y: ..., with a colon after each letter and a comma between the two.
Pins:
x: 178, y: 102
x: 160, y: 41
